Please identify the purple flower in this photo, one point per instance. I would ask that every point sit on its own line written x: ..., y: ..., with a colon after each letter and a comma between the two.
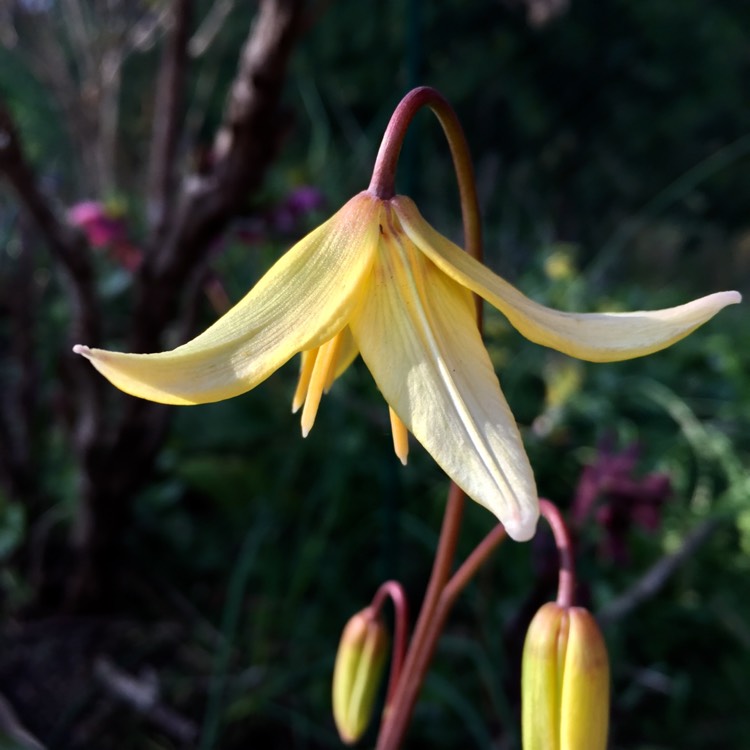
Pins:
x: 101, y: 227
x: 609, y: 491
x: 299, y: 202
x: 105, y: 229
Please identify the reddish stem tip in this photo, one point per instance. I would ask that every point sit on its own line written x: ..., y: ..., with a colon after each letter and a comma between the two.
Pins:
x: 567, y: 580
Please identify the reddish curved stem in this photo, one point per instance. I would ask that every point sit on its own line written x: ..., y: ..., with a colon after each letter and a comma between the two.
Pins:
x: 395, y: 592
x: 397, y: 715
x: 567, y: 580
x: 383, y: 182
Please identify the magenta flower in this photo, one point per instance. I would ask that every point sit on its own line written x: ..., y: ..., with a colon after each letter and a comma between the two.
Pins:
x: 297, y: 204
x: 100, y: 226
x: 618, y: 500
x: 105, y: 229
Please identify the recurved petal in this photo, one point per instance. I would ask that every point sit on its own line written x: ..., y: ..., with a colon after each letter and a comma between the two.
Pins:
x: 597, y: 337
x: 417, y: 333
x: 301, y: 302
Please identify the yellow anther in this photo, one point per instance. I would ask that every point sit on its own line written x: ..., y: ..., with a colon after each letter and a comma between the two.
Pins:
x: 324, y: 364
x: 305, y: 371
x: 400, y: 436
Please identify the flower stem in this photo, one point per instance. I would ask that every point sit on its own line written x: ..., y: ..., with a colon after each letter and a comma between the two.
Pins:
x: 394, y: 591
x: 401, y: 701
x: 567, y: 581
x: 399, y: 710
x: 383, y: 182
x: 472, y: 564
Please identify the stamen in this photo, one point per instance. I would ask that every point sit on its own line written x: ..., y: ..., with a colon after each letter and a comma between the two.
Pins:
x: 323, y: 364
x: 305, y: 371
x: 335, y: 344
x: 400, y: 436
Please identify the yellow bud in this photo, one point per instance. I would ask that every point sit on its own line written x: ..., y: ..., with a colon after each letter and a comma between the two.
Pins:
x: 359, y: 668
x: 564, y: 682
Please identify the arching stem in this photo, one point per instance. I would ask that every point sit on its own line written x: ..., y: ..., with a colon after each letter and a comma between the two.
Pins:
x: 401, y: 701
x: 383, y: 182
x: 394, y: 591
x: 567, y: 581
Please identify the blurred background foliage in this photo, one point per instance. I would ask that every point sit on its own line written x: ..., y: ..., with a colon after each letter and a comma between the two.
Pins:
x: 612, y: 148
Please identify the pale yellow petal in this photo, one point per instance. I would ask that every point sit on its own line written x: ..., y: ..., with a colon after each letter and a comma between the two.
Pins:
x: 597, y: 337
x: 417, y: 334
x: 303, y: 301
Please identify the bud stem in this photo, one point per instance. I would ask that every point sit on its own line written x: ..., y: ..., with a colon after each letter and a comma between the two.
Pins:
x: 567, y: 581
x: 394, y: 591
x: 435, y: 610
x: 400, y: 705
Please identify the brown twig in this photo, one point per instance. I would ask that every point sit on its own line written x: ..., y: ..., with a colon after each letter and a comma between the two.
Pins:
x: 169, y: 104
x: 18, y: 385
x: 656, y: 577
x: 142, y: 694
x: 66, y: 244
x: 71, y: 251
x: 47, y: 55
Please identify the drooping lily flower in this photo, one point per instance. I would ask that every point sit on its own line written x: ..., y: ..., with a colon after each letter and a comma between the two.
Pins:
x: 378, y: 280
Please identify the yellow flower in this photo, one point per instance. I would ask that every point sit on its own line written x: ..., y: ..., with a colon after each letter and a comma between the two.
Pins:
x: 377, y: 280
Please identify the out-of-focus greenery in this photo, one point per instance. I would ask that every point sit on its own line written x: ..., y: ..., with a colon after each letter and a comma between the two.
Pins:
x: 611, y: 148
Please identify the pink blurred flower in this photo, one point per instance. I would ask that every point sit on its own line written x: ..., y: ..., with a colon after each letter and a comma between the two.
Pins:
x: 105, y: 229
x: 299, y: 202
x: 618, y: 500
x: 101, y: 227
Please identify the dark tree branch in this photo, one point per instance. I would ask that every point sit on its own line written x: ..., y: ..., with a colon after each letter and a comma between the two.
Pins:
x: 247, y: 143
x: 71, y: 251
x: 168, y: 110
x: 66, y: 244
x: 117, y: 461
x: 19, y: 383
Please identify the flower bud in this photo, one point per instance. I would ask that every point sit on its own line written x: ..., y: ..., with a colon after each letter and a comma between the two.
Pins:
x: 565, y: 681
x: 360, y: 661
